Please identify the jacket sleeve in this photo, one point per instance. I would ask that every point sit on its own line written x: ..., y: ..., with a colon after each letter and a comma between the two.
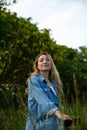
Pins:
x: 38, y: 102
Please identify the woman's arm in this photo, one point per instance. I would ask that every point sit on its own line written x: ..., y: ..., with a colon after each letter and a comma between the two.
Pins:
x: 61, y: 115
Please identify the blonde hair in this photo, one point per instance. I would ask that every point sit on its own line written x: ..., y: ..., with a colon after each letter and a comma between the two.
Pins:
x: 53, y: 74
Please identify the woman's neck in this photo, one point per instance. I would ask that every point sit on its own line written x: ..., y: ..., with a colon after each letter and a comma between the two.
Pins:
x: 45, y: 75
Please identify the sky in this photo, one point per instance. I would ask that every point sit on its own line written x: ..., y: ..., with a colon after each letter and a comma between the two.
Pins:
x: 67, y: 19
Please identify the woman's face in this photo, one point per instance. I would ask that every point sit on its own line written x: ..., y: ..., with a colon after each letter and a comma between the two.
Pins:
x: 44, y: 64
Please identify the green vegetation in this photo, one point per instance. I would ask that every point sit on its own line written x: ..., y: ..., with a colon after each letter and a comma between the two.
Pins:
x: 20, y: 42
x: 14, y: 118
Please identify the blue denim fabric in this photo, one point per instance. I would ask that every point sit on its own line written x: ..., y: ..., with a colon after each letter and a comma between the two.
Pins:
x: 42, y: 103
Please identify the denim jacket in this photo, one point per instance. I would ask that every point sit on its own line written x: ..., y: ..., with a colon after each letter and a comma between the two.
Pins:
x: 42, y: 103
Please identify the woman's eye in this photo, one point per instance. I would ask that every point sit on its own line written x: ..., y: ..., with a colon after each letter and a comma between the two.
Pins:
x: 41, y: 60
x: 47, y: 59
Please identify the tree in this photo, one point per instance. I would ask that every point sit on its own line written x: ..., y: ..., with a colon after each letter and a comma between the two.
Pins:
x: 21, y: 41
x: 5, y: 3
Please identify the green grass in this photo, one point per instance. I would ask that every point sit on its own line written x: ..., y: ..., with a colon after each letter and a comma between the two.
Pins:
x: 79, y: 116
x: 12, y: 119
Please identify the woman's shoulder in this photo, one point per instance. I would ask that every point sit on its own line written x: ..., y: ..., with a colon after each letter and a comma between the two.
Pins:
x: 33, y: 78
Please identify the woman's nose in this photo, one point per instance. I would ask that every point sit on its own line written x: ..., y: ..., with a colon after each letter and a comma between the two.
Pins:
x: 45, y: 61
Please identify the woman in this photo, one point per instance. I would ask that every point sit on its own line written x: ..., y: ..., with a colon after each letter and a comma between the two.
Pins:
x: 43, y: 97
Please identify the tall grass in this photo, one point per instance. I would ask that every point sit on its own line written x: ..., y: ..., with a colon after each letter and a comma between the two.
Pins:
x: 12, y: 118
x: 77, y: 110
x: 13, y: 112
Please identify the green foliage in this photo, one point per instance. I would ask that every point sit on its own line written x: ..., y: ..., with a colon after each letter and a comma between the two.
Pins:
x: 15, y: 119
x: 21, y: 41
x: 78, y: 114
x: 12, y: 95
x: 11, y: 119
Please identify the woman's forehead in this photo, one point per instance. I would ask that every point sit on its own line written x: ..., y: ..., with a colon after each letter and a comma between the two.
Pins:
x: 43, y: 56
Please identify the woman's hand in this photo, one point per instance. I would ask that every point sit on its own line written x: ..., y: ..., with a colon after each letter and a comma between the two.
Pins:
x: 62, y: 116
x: 66, y: 118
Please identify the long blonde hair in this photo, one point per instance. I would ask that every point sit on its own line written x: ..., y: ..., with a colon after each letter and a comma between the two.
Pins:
x: 53, y: 74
